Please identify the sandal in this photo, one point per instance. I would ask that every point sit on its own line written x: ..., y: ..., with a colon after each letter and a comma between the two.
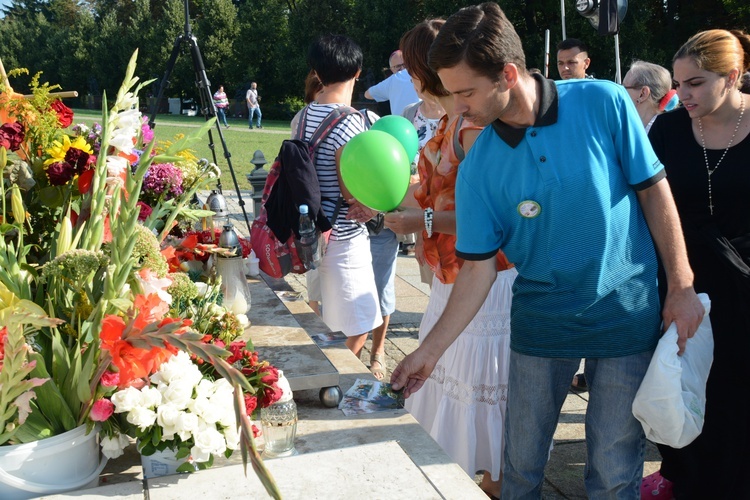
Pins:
x: 656, y: 487
x: 579, y: 383
x: 379, y: 372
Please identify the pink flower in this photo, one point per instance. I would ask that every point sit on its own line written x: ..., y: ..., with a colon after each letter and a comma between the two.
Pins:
x: 110, y: 379
x: 146, y: 133
x: 102, y: 410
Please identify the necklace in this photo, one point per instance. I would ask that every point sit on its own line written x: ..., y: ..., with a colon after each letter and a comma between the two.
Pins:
x: 710, y: 170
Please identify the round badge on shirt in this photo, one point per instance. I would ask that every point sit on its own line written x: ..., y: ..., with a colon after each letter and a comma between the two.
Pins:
x: 529, y: 209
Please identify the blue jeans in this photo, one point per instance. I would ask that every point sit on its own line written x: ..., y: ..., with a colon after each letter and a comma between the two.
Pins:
x: 221, y: 116
x: 615, y: 441
x: 252, y: 112
x: 384, y: 249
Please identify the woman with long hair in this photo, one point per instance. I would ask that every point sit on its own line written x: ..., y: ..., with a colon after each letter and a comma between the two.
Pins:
x: 706, y: 151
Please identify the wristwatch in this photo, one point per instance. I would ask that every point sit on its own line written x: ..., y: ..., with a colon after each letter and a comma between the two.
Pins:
x: 428, y: 221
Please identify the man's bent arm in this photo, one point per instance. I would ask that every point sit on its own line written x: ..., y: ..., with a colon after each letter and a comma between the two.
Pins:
x: 473, y: 284
x: 682, y: 305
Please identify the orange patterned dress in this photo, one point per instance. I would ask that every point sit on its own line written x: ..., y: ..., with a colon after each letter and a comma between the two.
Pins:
x: 438, y: 168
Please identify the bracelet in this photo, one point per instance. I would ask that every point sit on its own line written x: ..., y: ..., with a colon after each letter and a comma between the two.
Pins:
x: 428, y: 221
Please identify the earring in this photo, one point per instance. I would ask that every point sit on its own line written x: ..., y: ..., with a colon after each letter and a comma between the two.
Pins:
x: 638, y: 101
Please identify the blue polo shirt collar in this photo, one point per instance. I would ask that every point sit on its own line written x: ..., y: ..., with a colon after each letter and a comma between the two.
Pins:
x: 547, y: 114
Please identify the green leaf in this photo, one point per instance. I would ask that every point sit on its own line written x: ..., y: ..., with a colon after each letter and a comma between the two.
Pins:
x: 50, y: 400
x: 187, y: 467
x: 51, y: 196
x: 182, y: 452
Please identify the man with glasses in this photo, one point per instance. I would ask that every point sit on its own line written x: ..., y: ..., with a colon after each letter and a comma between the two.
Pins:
x: 397, y: 88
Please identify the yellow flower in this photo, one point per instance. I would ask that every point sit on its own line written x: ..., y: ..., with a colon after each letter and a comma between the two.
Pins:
x: 59, y: 150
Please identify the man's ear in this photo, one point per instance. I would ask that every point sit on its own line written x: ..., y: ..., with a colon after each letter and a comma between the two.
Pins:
x: 359, y: 72
x: 510, y: 75
x: 586, y: 63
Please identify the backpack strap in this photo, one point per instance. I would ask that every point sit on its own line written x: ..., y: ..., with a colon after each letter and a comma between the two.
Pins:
x: 457, y: 147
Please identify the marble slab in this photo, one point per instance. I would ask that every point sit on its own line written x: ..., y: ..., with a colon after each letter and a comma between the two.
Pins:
x: 356, y: 472
x: 280, y: 339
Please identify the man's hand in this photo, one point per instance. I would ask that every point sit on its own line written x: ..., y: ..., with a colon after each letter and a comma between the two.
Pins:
x: 684, y: 308
x: 412, y: 372
x: 405, y: 220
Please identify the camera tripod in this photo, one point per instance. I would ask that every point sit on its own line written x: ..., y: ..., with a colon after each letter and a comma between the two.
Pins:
x: 208, y: 108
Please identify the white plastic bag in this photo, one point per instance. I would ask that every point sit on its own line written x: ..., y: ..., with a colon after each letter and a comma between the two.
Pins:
x: 671, y: 402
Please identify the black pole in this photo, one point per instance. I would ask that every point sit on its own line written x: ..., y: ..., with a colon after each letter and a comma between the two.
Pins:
x: 208, y: 108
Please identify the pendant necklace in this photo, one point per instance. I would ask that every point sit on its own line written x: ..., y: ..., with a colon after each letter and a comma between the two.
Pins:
x: 710, y: 170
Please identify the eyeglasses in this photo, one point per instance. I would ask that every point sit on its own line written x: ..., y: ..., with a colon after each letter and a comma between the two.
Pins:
x: 398, y: 67
x: 632, y: 88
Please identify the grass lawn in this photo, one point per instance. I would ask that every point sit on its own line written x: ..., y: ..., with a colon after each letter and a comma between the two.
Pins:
x: 240, y: 140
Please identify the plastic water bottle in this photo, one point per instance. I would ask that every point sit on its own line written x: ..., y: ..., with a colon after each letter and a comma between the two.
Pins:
x: 308, y: 240
x: 279, y: 422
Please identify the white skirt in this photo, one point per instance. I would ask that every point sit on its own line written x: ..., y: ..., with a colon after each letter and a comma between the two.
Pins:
x: 462, y: 404
x: 347, y: 287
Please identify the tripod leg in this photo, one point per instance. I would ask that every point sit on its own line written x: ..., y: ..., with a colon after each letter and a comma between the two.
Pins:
x: 165, y: 80
x: 209, y: 110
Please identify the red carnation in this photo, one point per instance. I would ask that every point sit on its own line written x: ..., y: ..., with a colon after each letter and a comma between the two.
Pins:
x: 64, y: 113
x: 60, y: 173
x: 110, y: 379
x: 11, y: 135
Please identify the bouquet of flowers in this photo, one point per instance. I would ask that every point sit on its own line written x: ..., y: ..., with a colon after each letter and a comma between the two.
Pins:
x: 182, y: 410
x: 71, y: 243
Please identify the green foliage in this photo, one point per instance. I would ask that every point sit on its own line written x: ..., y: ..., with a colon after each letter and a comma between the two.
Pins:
x: 82, y: 45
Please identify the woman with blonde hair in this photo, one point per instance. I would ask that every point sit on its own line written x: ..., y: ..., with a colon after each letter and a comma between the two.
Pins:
x: 650, y: 87
x: 706, y: 152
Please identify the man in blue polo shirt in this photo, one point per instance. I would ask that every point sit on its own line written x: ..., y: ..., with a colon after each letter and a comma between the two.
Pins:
x: 564, y: 180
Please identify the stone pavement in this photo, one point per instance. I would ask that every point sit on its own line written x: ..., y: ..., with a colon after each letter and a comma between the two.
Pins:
x: 564, y: 472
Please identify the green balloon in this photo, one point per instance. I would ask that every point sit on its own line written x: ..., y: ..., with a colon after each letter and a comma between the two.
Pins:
x: 402, y: 129
x: 375, y: 169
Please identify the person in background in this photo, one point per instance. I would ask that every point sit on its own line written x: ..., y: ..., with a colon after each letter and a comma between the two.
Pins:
x: 572, y: 59
x: 397, y: 88
x: 581, y: 234
x: 462, y: 404
x: 572, y: 62
x: 650, y: 87
x: 221, y: 103
x: 705, y: 148
x: 253, y: 105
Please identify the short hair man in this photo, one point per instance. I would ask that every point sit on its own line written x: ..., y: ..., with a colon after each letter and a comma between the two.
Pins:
x: 578, y: 232
x: 572, y: 59
x: 253, y: 105
x: 397, y: 88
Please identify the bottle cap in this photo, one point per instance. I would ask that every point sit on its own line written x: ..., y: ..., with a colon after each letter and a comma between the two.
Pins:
x: 303, y: 209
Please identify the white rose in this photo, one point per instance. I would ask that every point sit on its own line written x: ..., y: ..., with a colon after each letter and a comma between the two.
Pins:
x: 232, y: 437
x: 179, y: 393
x: 208, y: 440
x: 113, y: 447
x: 186, y: 424
x: 142, y: 417
x: 204, y: 389
x: 167, y: 416
x: 171, y: 369
x: 150, y: 397
x: 205, y: 410
x: 126, y: 399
